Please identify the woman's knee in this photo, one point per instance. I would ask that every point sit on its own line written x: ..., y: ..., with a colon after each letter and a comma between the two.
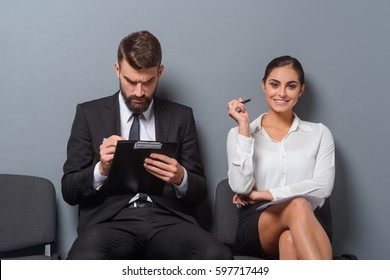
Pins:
x: 300, y: 202
x: 299, y: 207
x: 299, y: 211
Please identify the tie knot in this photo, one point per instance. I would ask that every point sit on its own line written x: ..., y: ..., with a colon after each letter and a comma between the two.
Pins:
x: 143, y: 197
x: 136, y: 115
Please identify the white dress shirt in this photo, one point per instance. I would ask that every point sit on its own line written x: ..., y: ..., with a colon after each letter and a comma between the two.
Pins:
x: 147, y: 133
x: 302, y: 163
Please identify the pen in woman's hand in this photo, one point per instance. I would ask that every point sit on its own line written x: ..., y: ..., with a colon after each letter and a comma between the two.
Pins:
x: 238, y: 109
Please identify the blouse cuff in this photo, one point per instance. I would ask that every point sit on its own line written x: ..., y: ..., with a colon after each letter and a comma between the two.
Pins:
x: 245, y: 144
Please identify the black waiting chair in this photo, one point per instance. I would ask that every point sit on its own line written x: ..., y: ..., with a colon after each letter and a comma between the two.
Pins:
x: 27, y: 217
x: 227, y: 217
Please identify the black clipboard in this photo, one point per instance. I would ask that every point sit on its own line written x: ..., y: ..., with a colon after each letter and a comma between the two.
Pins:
x: 127, y: 173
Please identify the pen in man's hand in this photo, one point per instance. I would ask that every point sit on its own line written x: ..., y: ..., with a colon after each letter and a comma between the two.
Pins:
x: 238, y: 109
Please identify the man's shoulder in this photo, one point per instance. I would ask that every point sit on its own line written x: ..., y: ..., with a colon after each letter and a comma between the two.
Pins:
x: 102, y: 101
x: 168, y: 104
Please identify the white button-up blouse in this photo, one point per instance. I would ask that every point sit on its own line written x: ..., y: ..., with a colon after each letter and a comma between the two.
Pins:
x: 303, y: 163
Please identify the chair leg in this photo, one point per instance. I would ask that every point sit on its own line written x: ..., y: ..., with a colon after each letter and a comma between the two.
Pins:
x: 48, y: 250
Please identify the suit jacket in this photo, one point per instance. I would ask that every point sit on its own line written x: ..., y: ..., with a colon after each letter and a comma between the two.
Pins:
x: 98, y: 119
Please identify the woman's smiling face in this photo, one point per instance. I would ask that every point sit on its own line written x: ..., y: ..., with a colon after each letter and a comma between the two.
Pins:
x: 282, y: 89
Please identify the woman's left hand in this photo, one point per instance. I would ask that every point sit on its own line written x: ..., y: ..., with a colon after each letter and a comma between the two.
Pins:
x: 239, y: 200
x: 253, y: 197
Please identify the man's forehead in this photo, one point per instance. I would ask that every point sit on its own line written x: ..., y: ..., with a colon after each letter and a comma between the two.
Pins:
x: 139, y: 74
x: 125, y: 64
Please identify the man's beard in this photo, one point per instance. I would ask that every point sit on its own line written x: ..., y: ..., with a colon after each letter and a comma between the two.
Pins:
x: 136, y: 107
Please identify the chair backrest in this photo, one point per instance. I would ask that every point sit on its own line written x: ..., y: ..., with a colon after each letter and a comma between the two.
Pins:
x: 324, y: 215
x: 226, y: 214
x: 27, y: 215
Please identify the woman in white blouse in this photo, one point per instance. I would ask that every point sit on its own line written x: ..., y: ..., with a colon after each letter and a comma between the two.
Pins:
x: 283, y: 164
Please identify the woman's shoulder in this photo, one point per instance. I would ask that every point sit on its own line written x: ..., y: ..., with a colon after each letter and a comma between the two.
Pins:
x: 252, y: 126
x: 316, y: 128
x: 311, y: 126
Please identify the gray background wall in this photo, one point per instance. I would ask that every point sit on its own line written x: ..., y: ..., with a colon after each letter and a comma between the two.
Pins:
x: 55, y: 54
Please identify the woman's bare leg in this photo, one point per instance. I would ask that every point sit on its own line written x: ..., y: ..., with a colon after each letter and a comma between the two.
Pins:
x: 309, y: 238
x: 287, y: 249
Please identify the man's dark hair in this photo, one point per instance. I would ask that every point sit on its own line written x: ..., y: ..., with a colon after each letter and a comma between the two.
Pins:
x: 141, y: 50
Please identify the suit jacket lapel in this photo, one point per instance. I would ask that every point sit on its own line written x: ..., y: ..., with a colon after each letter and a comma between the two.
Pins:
x: 110, y: 115
x: 163, y: 118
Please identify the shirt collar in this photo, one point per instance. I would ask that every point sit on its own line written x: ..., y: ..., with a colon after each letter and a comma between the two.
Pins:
x: 297, y: 124
x: 302, y: 125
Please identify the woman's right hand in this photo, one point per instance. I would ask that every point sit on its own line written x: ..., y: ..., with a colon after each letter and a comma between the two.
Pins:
x: 241, y: 116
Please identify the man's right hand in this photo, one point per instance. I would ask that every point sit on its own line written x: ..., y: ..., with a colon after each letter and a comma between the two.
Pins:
x: 107, y: 150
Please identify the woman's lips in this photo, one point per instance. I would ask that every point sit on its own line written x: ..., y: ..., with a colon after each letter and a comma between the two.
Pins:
x: 281, y: 101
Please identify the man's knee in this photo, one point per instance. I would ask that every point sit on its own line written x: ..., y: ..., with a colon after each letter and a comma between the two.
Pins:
x: 218, y: 251
x: 84, y: 253
x: 87, y: 247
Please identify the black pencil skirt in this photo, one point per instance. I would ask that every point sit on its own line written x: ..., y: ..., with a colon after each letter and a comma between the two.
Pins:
x: 247, y: 237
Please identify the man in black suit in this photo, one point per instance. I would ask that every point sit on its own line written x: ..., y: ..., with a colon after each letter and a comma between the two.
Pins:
x: 137, y: 225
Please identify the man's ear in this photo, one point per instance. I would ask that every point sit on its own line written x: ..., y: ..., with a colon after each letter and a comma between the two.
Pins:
x: 160, y: 70
x: 117, y: 69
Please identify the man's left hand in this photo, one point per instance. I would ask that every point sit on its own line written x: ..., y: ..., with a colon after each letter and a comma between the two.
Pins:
x: 165, y: 168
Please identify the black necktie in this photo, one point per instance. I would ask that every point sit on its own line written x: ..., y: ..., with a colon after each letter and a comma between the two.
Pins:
x: 143, y: 197
x: 134, y: 130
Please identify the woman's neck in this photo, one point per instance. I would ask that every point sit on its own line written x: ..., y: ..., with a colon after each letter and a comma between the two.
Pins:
x: 277, y: 125
x: 279, y: 120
